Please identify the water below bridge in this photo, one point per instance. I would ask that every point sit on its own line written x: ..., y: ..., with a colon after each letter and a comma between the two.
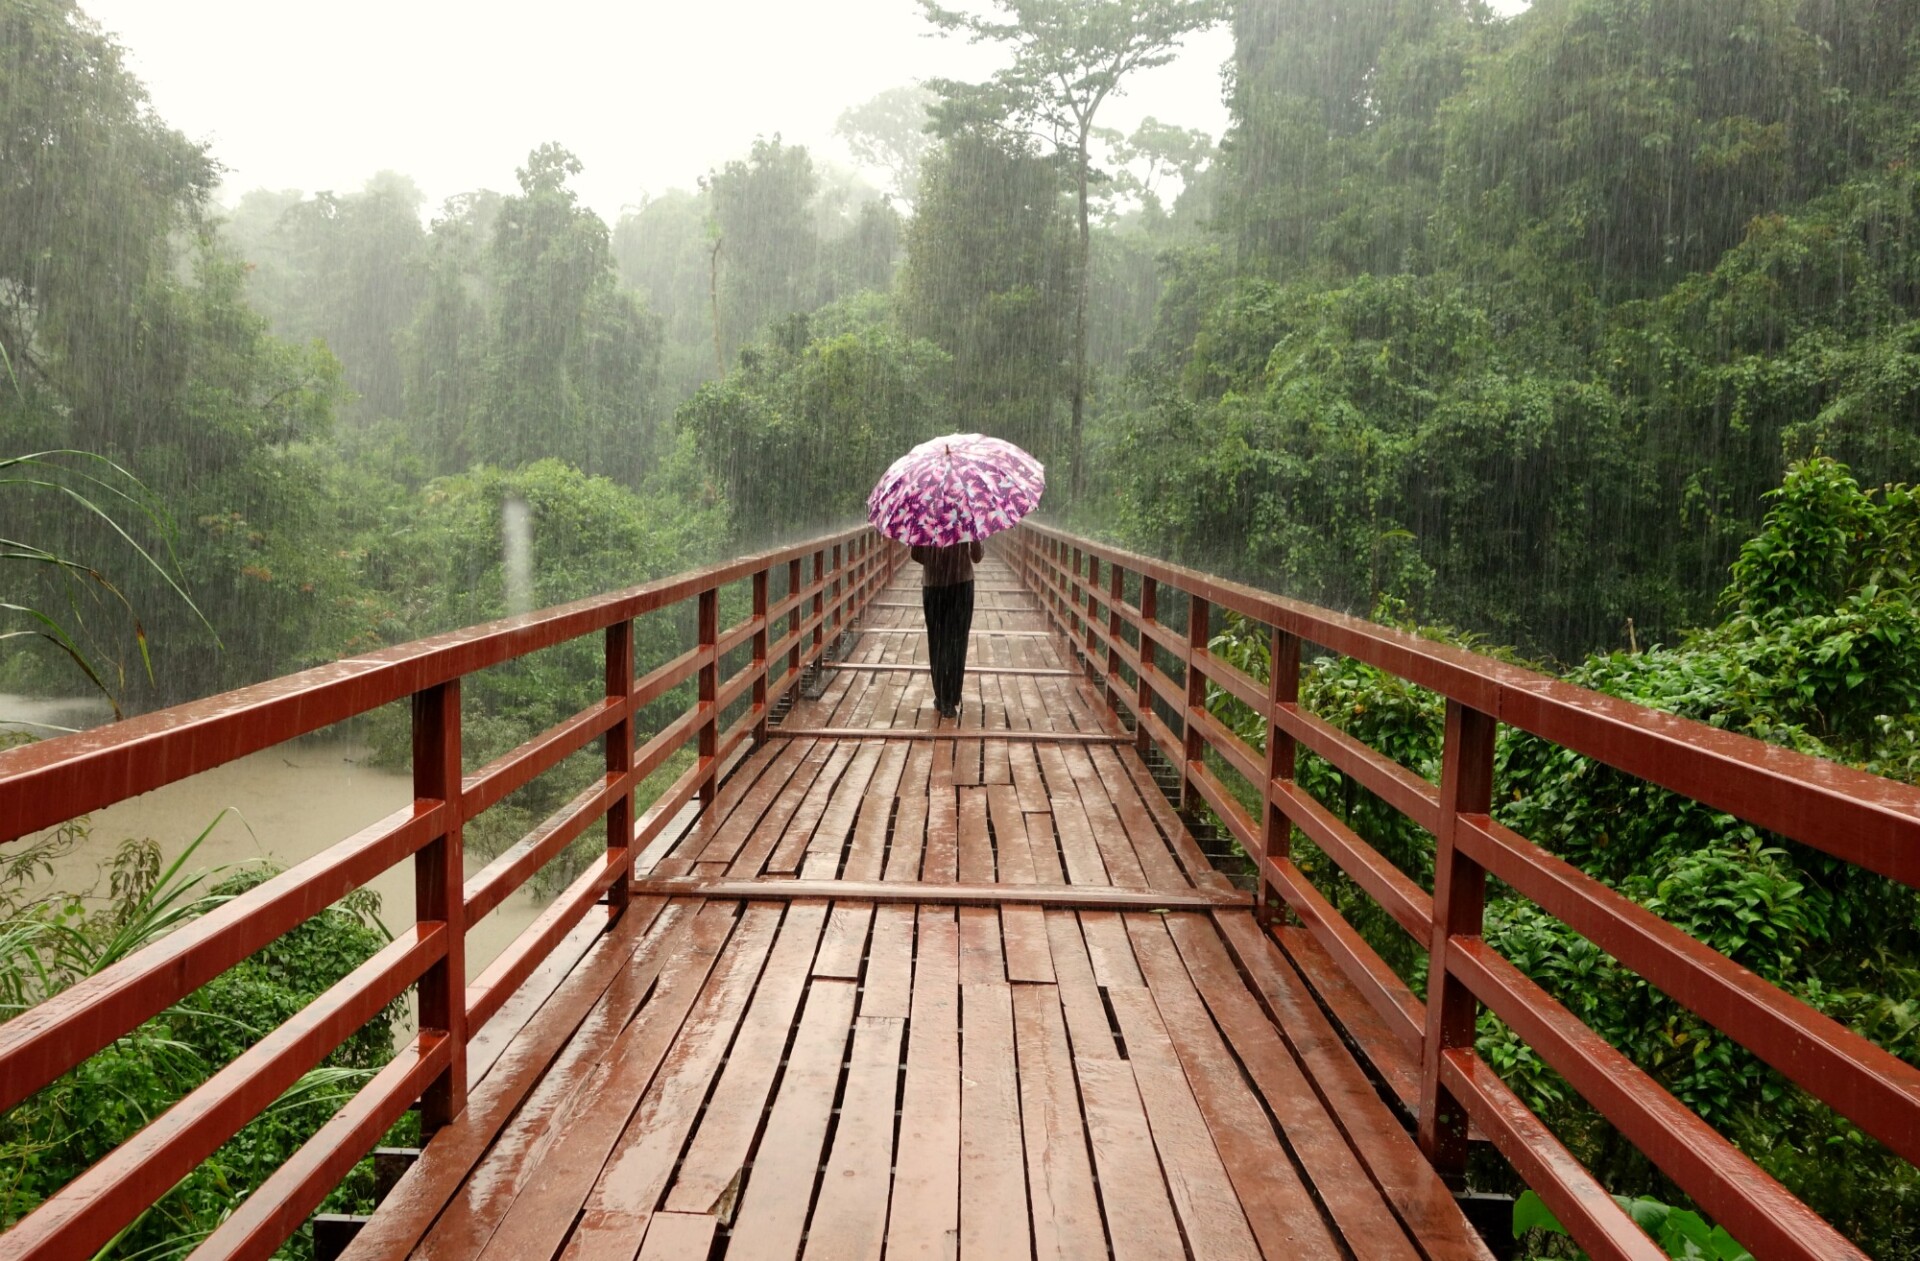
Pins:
x: 281, y: 805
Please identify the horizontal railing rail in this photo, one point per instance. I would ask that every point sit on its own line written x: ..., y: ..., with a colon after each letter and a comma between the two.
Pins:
x: 1871, y: 822
x: 828, y: 582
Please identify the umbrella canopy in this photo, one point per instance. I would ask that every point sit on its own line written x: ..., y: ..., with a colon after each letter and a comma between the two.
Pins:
x: 956, y: 489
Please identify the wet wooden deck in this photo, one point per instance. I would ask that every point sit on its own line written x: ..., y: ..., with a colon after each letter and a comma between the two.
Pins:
x: 969, y: 994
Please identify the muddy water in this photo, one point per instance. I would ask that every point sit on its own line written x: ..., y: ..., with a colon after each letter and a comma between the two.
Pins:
x: 284, y: 804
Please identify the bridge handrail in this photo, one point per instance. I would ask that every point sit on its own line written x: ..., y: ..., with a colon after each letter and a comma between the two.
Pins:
x: 1861, y: 818
x: 55, y: 780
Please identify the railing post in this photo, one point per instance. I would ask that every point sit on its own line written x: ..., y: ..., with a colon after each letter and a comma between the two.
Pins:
x: 819, y: 607
x: 1063, y: 593
x: 865, y: 548
x: 1193, y: 743
x: 709, y: 697
x: 1459, y: 899
x: 619, y: 748
x: 1115, y: 589
x: 794, y: 572
x: 839, y: 598
x: 1276, y: 830
x: 439, y: 877
x: 1149, y: 616
x: 1093, y: 589
x: 760, y: 657
x: 1057, y: 564
x: 850, y: 589
x: 1073, y: 599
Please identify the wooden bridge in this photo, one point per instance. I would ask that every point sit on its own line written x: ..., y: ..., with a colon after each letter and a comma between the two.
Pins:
x: 868, y: 984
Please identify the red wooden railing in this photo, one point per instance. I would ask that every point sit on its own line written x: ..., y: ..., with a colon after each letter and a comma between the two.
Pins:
x: 1863, y: 819
x: 828, y: 581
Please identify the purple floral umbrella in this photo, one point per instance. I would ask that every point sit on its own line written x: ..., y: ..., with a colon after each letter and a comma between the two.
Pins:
x: 956, y: 489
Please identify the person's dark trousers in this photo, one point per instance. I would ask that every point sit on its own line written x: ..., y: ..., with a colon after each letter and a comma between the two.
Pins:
x: 949, y: 613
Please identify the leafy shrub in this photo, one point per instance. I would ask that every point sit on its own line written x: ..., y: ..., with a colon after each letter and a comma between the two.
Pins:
x: 58, y: 1132
x: 1820, y: 652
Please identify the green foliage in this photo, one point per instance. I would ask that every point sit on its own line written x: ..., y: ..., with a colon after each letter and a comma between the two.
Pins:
x: 1639, y: 139
x: 663, y: 252
x: 77, y: 133
x: 1358, y: 447
x: 525, y: 346
x: 1841, y: 939
x: 1333, y: 163
x: 50, y: 942
x: 1067, y: 61
x: 986, y: 281
x: 798, y: 434
x: 435, y: 558
x: 348, y: 270
x: 1518, y: 319
x: 766, y: 239
x: 1680, y: 1231
x: 127, y: 336
x: 104, y: 492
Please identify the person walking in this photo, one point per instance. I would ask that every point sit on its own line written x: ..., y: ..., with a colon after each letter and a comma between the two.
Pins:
x: 941, y: 499
x: 946, y: 597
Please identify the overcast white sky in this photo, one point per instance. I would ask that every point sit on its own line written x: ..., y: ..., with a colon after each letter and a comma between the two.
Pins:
x: 649, y: 93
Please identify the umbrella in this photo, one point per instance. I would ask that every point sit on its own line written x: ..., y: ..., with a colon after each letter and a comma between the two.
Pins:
x: 956, y: 489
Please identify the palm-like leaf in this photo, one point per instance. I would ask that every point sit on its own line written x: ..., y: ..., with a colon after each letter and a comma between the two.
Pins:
x: 175, y: 898
x: 100, y: 481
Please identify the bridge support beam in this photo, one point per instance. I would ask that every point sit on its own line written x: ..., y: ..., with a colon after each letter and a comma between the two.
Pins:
x: 1459, y: 903
x: 1193, y: 739
x: 619, y: 761
x: 1276, y: 830
x: 439, y: 894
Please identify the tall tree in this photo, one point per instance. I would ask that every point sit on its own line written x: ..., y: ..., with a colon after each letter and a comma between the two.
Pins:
x: 890, y: 132
x: 346, y: 269
x: 662, y: 249
x: 124, y: 333
x: 525, y: 346
x: 95, y: 188
x: 768, y: 239
x: 987, y: 281
x: 444, y: 351
x: 1334, y: 157
x: 1069, y: 59
x: 575, y: 358
x: 1642, y: 138
x: 799, y: 430
x: 1155, y: 151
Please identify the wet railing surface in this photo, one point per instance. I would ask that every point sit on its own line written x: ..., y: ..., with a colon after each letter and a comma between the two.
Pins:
x: 1099, y: 649
x: 1860, y: 818
x: 827, y: 582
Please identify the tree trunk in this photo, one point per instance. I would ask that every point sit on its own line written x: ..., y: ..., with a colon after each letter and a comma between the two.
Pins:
x: 1078, y: 483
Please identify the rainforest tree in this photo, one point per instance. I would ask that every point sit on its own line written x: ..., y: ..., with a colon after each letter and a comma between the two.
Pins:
x: 1069, y: 60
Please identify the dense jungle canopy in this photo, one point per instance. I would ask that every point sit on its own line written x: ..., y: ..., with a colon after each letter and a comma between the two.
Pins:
x: 1588, y: 333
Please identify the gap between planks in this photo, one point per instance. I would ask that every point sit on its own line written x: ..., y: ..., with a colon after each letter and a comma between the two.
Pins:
x: 1065, y: 897
x: 910, y: 667
x: 946, y: 733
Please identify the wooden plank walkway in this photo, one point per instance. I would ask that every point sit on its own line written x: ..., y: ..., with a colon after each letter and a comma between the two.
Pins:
x: 744, y: 1071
